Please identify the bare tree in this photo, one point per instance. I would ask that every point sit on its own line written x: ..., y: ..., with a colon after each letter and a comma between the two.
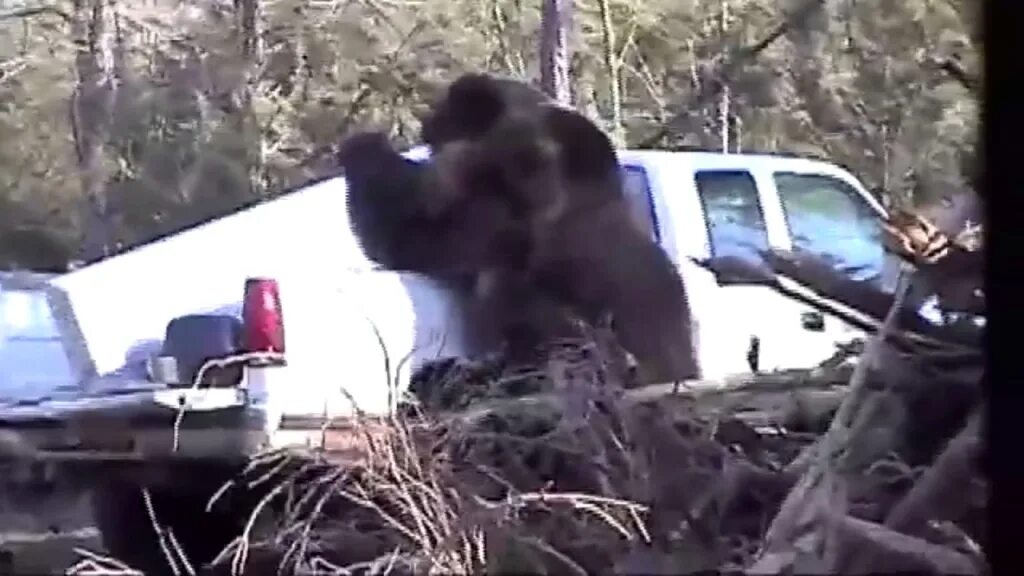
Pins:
x: 249, y: 25
x: 91, y: 110
x: 713, y: 81
x: 723, y: 106
x: 556, y: 21
x: 612, y: 64
x: 205, y: 113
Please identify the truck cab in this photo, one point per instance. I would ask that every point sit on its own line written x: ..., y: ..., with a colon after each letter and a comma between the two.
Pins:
x: 704, y: 206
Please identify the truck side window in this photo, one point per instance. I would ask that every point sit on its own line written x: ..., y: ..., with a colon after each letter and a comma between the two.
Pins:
x: 732, y: 211
x: 638, y: 196
x: 827, y: 217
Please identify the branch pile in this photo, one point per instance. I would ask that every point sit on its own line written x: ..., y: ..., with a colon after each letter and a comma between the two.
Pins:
x: 567, y: 469
x: 775, y: 473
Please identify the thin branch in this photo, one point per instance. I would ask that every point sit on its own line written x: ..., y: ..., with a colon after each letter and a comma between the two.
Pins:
x: 955, y: 69
x: 612, y: 64
x: 513, y: 62
x: 11, y: 68
x: 715, y: 82
x: 34, y: 11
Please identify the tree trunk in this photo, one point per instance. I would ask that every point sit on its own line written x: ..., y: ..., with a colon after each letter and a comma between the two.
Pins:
x: 92, y: 106
x: 612, y: 67
x: 249, y: 25
x: 723, y: 105
x: 556, y: 21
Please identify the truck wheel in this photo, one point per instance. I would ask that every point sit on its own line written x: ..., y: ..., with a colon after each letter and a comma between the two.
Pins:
x: 121, y: 516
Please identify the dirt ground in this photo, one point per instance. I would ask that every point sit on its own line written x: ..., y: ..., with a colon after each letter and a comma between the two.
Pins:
x: 41, y: 539
x: 43, y: 520
x: 45, y: 553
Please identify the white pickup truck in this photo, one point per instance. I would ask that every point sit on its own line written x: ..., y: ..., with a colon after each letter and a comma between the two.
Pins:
x: 286, y: 282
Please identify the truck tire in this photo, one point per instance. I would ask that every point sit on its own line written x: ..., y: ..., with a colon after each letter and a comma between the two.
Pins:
x: 120, y: 514
x: 196, y: 338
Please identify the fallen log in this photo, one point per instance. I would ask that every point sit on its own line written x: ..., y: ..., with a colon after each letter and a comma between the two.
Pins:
x: 936, y: 496
x: 706, y: 392
x: 915, y: 552
x: 798, y: 508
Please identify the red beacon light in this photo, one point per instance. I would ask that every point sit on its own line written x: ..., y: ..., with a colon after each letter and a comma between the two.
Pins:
x: 262, y: 320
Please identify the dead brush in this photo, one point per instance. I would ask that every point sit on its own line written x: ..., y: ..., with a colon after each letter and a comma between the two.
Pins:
x: 425, y: 498
x: 584, y: 476
x: 414, y: 512
x: 581, y: 482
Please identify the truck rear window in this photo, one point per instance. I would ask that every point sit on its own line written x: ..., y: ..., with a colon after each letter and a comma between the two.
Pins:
x: 33, y: 359
x: 638, y: 195
x: 732, y: 213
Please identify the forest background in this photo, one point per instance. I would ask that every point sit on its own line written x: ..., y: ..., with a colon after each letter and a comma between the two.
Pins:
x: 124, y: 121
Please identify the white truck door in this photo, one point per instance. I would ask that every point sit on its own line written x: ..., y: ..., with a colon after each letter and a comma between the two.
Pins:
x: 745, y: 217
x: 828, y: 217
x: 676, y: 220
x: 751, y: 317
x: 730, y: 214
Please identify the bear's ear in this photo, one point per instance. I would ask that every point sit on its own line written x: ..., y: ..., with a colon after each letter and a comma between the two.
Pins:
x: 478, y: 100
x: 587, y: 152
x: 362, y: 148
x: 472, y: 104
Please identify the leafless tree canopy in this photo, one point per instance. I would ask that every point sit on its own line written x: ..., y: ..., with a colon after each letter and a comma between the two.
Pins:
x: 122, y: 122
